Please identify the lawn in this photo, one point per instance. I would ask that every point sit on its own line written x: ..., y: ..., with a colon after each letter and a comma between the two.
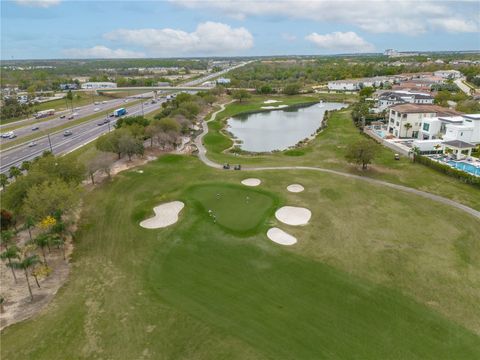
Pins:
x: 376, y: 274
x: 328, y: 151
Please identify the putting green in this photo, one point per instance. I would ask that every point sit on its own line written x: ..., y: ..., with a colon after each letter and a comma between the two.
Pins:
x: 233, y: 207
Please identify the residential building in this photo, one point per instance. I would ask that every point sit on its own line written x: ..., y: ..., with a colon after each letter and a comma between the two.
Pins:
x: 357, y: 84
x: 448, y: 74
x: 389, y: 98
x: 405, y: 120
x: 72, y: 86
x: 99, y: 85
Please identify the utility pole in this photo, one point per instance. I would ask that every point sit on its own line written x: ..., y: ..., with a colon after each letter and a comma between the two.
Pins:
x: 50, y: 143
x: 143, y: 114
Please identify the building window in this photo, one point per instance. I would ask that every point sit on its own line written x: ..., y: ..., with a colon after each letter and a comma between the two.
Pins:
x: 426, y: 126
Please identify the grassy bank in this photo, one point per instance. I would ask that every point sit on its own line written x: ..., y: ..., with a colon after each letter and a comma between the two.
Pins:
x: 375, y: 273
x: 328, y: 150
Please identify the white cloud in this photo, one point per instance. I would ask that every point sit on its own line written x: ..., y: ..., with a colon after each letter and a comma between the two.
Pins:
x: 340, y: 41
x: 38, y: 3
x: 101, y: 52
x: 209, y: 38
x: 376, y: 16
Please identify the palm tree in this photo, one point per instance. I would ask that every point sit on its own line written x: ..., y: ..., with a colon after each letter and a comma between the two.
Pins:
x: 43, y: 241
x: 407, y: 126
x: 3, y: 180
x: 9, y: 254
x: 14, y: 172
x: 25, y: 264
x: 29, y: 223
x: 25, y: 165
x: 58, y: 241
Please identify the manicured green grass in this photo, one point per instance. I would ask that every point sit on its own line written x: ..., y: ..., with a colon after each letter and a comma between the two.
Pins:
x: 328, y: 150
x: 376, y: 274
x: 236, y: 208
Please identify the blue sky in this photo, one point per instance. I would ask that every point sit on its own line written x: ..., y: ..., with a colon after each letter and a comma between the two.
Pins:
x: 42, y: 29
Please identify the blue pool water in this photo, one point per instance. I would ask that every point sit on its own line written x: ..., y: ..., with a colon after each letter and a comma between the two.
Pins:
x: 380, y: 133
x: 470, y: 168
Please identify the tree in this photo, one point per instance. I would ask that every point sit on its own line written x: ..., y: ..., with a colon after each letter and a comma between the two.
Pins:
x: 241, y: 95
x: 15, y: 172
x: 110, y: 143
x: 43, y: 241
x: 366, y: 91
x: 25, y: 165
x: 59, y: 241
x: 130, y: 146
x: 265, y: 89
x: 29, y: 223
x: 407, y: 127
x: 361, y: 152
x: 210, y: 99
x: 6, y: 219
x: 50, y: 196
x: 11, y: 253
x: 291, y: 89
x: 3, y: 181
x: 25, y: 263
x: 6, y: 237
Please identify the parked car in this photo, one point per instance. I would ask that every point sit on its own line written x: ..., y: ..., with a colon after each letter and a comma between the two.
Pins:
x: 238, y: 167
x: 226, y: 166
x: 32, y: 144
x: 35, y: 127
x: 67, y: 133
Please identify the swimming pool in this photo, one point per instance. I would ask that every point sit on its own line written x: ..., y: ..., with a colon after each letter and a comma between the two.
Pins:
x: 470, y: 168
x: 380, y: 133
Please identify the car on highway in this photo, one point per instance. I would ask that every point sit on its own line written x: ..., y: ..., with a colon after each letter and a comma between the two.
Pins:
x: 32, y: 144
x: 126, y: 100
x: 35, y: 127
x: 96, y: 109
x: 7, y: 135
x: 96, y: 103
x: 103, y: 122
x: 104, y: 101
x: 62, y: 117
x: 67, y: 133
x: 70, y: 117
x: 111, y: 115
x: 12, y: 136
x: 75, y: 114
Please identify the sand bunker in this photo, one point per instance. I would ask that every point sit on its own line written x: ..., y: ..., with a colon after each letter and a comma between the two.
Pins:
x: 271, y: 101
x: 165, y: 215
x: 251, y: 182
x: 280, y: 237
x: 274, y: 107
x: 292, y: 215
x: 295, y: 188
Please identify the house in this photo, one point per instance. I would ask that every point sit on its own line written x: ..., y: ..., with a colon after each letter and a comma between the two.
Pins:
x: 405, y: 120
x: 99, y: 85
x: 343, y: 85
x: 72, y: 86
x: 357, y: 84
x: 448, y: 74
x: 389, y: 98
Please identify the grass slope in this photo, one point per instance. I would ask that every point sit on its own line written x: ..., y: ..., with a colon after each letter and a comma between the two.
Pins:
x: 328, y: 150
x: 376, y: 274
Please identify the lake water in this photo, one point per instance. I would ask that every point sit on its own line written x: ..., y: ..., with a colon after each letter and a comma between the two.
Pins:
x: 278, y: 129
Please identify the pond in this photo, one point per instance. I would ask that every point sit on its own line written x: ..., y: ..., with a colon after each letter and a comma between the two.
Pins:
x: 278, y: 129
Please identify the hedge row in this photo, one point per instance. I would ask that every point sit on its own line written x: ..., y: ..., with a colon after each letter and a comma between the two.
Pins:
x: 448, y: 170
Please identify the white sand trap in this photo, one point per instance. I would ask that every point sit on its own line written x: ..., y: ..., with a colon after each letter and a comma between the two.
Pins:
x: 270, y: 101
x: 281, y: 237
x: 292, y: 215
x: 295, y: 188
x: 251, y: 182
x: 274, y: 107
x: 165, y: 215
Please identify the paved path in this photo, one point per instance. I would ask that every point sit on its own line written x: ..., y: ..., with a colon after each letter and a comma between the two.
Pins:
x: 202, y: 155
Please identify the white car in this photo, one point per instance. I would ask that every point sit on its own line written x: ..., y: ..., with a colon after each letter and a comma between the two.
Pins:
x: 32, y: 144
x: 7, y: 135
x: 75, y: 114
x: 96, y: 109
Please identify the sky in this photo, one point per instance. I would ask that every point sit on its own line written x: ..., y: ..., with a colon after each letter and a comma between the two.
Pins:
x: 54, y: 29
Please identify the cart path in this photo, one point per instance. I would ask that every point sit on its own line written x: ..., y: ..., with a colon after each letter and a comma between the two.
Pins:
x: 202, y: 155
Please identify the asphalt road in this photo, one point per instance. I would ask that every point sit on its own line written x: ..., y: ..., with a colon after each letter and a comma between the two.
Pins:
x: 60, y: 144
x: 81, y: 112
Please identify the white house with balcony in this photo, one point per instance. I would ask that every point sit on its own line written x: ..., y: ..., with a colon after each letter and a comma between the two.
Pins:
x: 99, y: 85
x: 405, y: 120
x: 389, y: 98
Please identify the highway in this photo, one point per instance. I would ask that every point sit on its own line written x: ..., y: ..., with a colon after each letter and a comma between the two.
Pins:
x: 82, y: 133
x: 60, y: 144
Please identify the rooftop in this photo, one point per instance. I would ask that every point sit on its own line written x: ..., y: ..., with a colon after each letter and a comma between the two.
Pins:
x: 459, y: 144
x: 424, y: 108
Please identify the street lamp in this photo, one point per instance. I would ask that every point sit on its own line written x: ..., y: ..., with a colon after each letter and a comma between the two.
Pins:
x: 50, y: 143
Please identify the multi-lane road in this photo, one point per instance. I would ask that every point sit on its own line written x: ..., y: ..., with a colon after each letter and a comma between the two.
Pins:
x: 81, y: 134
x: 60, y: 144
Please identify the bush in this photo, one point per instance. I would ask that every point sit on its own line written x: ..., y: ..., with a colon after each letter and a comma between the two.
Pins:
x: 448, y: 170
